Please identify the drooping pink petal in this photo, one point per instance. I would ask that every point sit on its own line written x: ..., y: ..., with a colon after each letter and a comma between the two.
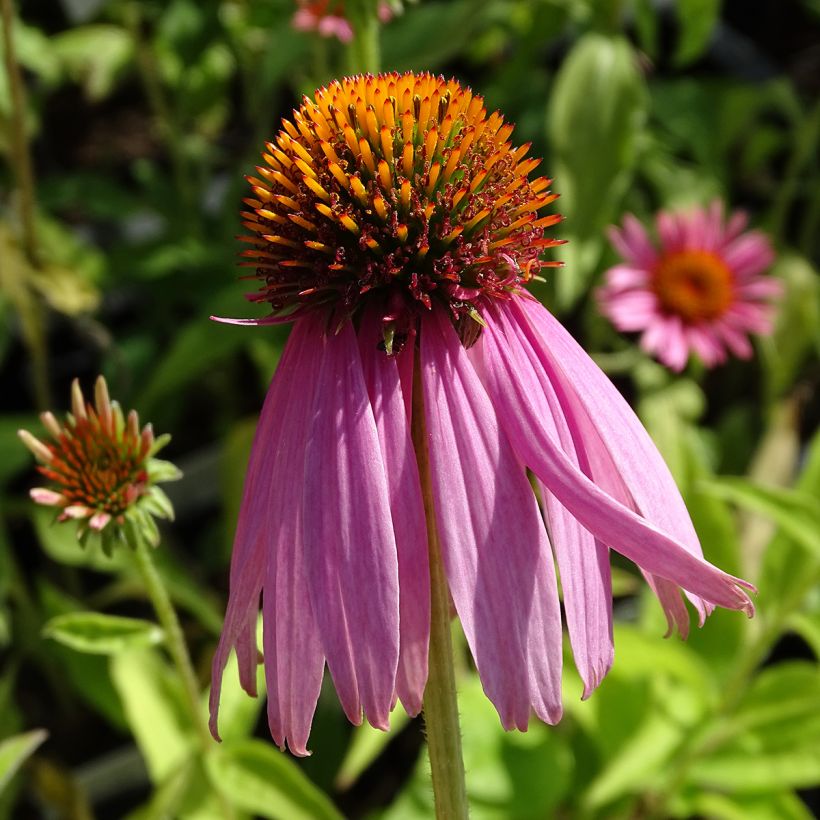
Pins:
x: 626, y: 461
x: 348, y: 533
x: 494, y: 546
x: 267, y: 552
x: 583, y: 562
x: 631, y: 534
x: 385, y: 388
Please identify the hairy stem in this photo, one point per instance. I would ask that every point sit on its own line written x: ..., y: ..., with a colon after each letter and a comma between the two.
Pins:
x: 440, y: 700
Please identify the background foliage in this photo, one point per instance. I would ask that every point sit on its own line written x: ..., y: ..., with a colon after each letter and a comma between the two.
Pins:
x: 143, y: 118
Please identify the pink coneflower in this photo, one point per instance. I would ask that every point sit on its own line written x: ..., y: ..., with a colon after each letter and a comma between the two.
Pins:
x: 702, y: 291
x: 102, y: 469
x: 396, y: 226
x: 325, y: 17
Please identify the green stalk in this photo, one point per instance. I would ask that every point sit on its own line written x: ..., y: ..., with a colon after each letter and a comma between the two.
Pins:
x: 27, y: 305
x: 177, y: 648
x: 364, y: 52
x: 440, y: 699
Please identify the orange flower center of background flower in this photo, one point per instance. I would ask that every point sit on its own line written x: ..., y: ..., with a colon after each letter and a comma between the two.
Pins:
x: 695, y: 285
x: 98, y: 467
x: 399, y: 186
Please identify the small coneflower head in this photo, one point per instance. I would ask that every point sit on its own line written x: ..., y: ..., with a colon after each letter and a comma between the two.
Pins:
x: 398, y: 190
x: 701, y: 290
x: 102, y: 470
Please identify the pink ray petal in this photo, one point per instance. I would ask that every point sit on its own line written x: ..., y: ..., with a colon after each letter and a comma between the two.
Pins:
x: 749, y: 254
x: 495, y: 550
x: 265, y: 552
x: 348, y: 533
x: 583, y: 562
x: 673, y: 556
x: 384, y: 383
x: 633, y: 243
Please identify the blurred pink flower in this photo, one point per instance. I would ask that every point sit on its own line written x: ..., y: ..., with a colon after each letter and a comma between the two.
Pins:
x: 393, y: 289
x: 702, y: 291
x: 327, y: 18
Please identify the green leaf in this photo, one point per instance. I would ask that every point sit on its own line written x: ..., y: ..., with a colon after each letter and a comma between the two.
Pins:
x: 782, y: 707
x: 14, y: 457
x: 596, y: 114
x: 100, y: 634
x: 429, y: 35
x: 696, y: 20
x: 778, y: 806
x: 779, y: 582
x: 198, y: 347
x: 59, y: 542
x: 365, y: 746
x: 153, y: 700
x: 795, y: 512
x: 797, y: 327
x: 258, y: 778
x: 15, y: 750
x: 743, y: 769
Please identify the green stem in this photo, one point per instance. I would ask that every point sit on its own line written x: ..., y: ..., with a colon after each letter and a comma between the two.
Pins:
x: 21, y: 155
x: 364, y: 52
x: 164, y: 117
x: 30, y: 309
x: 440, y: 700
x: 177, y: 648
x: 805, y: 147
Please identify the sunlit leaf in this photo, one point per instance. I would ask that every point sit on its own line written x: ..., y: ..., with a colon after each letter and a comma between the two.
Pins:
x: 15, y: 750
x: 101, y: 634
x: 796, y: 513
x: 154, y: 705
x: 257, y: 777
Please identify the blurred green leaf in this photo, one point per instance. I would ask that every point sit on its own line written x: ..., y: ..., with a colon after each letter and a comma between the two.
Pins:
x: 743, y: 769
x: 154, y: 706
x: 696, y: 21
x: 15, y: 750
x: 796, y: 513
x: 429, y: 34
x: 59, y: 541
x: 778, y: 581
x: 256, y: 777
x: 777, y: 806
x: 782, y: 706
x: 198, y: 346
x: 596, y: 113
x: 100, y: 634
x: 366, y: 745
x: 95, y: 56
x: 797, y: 327
x: 167, y: 799
x: 13, y: 455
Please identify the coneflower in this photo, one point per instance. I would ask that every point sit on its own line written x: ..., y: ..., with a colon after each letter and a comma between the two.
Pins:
x: 396, y: 225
